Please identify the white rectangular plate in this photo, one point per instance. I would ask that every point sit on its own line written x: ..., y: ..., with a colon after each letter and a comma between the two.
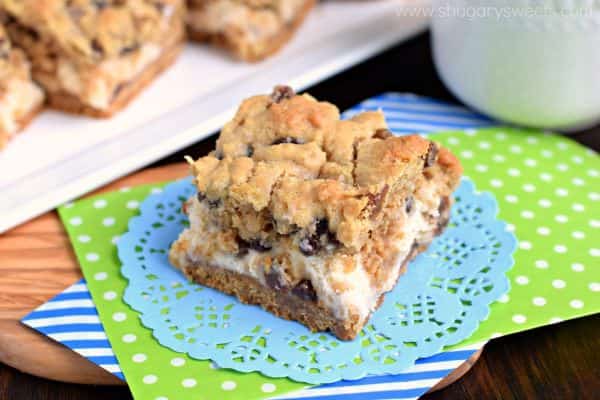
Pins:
x: 60, y: 157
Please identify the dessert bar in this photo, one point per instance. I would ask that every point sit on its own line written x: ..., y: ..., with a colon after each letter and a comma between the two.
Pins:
x: 20, y: 98
x: 93, y: 57
x: 250, y: 29
x: 312, y: 217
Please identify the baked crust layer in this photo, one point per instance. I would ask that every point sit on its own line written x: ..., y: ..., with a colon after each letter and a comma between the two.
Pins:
x: 237, y: 33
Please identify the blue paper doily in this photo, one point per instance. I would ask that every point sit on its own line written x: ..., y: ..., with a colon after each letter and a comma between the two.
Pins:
x: 440, y: 300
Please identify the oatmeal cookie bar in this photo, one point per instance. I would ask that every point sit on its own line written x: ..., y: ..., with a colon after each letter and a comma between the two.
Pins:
x: 250, y: 29
x: 309, y: 216
x: 92, y: 57
x: 20, y: 97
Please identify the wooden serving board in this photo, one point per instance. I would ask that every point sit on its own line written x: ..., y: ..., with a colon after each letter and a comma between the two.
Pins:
x: 36, y: 263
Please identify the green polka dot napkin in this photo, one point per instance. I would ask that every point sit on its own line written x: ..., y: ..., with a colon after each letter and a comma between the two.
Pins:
x: 547, y: 188
x: 153, y: 372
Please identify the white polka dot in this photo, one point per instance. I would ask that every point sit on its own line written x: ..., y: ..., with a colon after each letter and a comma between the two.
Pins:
x: 156, y: 190
x: 100, y: 203
x: 556, y: 320
x: 576, y: 303
x: 577, y: 159
x: 92, y: 257
x: 527, y: 214
x: 511, y: 198
x: 100, y: 276
x: 470, y: 132
x: 578, y: 235
x: 115, y: 240
x: 268, y: 387
x: 546, y: 177
x: 188, y: 383
x: 593, y: 196
x: 76, y: 221
x: 544, y: 231
x: 561, y: 218
x: 539, y: 301
x: 528, y: 187
x: 228, y: 385
x: 541, y: 264
x: 178, y: 362
x: 125, y: 189
x: 499, y: 158
x: 522, y: 280
x: 110, y: 221
x: 484, y: 145
x: 495, y: 335
x: 467, y: 154
x: 547, y: 153
x: 161, y: 398
x: 84, y: 239
x: 578, y: 182
x: 514, y: 172
x: 129, y: 338
x: 559, y: 283
x: 110, y: 295
x: 150, y: 379
x: 532, y: 140
x: 577, y: 267
x: 453, y: 140
x: 561, y: 192
x: 595, y: 252
x: 510, y: 228
x: 139, y: 358
x: 593, y: 173
x: 578, y: 207
x: 530, y: 162
x: 525, y: 245
x: 500, y: 135
x: 519, y: 319
x: 515, y: 149
x: 595, y: 223
x: 504, y: 298
x: 594, y: 287
x: 560, y: 248
x: 132, y: 205
x: 562, y: 167
x: 545, y: 203
x: 119, y: 316
x: 481, y: 168
x: 496, y: 183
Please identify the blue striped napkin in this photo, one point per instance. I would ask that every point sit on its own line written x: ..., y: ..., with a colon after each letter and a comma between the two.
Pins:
x: 71, y: 317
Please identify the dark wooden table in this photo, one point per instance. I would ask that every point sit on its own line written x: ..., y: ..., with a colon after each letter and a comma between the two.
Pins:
x: 555, y: 362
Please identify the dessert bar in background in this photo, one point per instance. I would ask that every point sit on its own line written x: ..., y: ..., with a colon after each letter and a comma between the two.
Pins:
x: 20, y: 98
x: 309, y: 216
x: 93, y: 57
x: 250, y: 29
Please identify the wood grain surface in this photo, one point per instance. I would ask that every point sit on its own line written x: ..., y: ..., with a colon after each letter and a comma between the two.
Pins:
x: 36, y: 263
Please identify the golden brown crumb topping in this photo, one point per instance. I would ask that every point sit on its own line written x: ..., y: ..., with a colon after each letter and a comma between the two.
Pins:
x: 287, y: 162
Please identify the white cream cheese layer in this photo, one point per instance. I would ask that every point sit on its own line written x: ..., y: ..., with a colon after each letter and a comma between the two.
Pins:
x: 96, y: 86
